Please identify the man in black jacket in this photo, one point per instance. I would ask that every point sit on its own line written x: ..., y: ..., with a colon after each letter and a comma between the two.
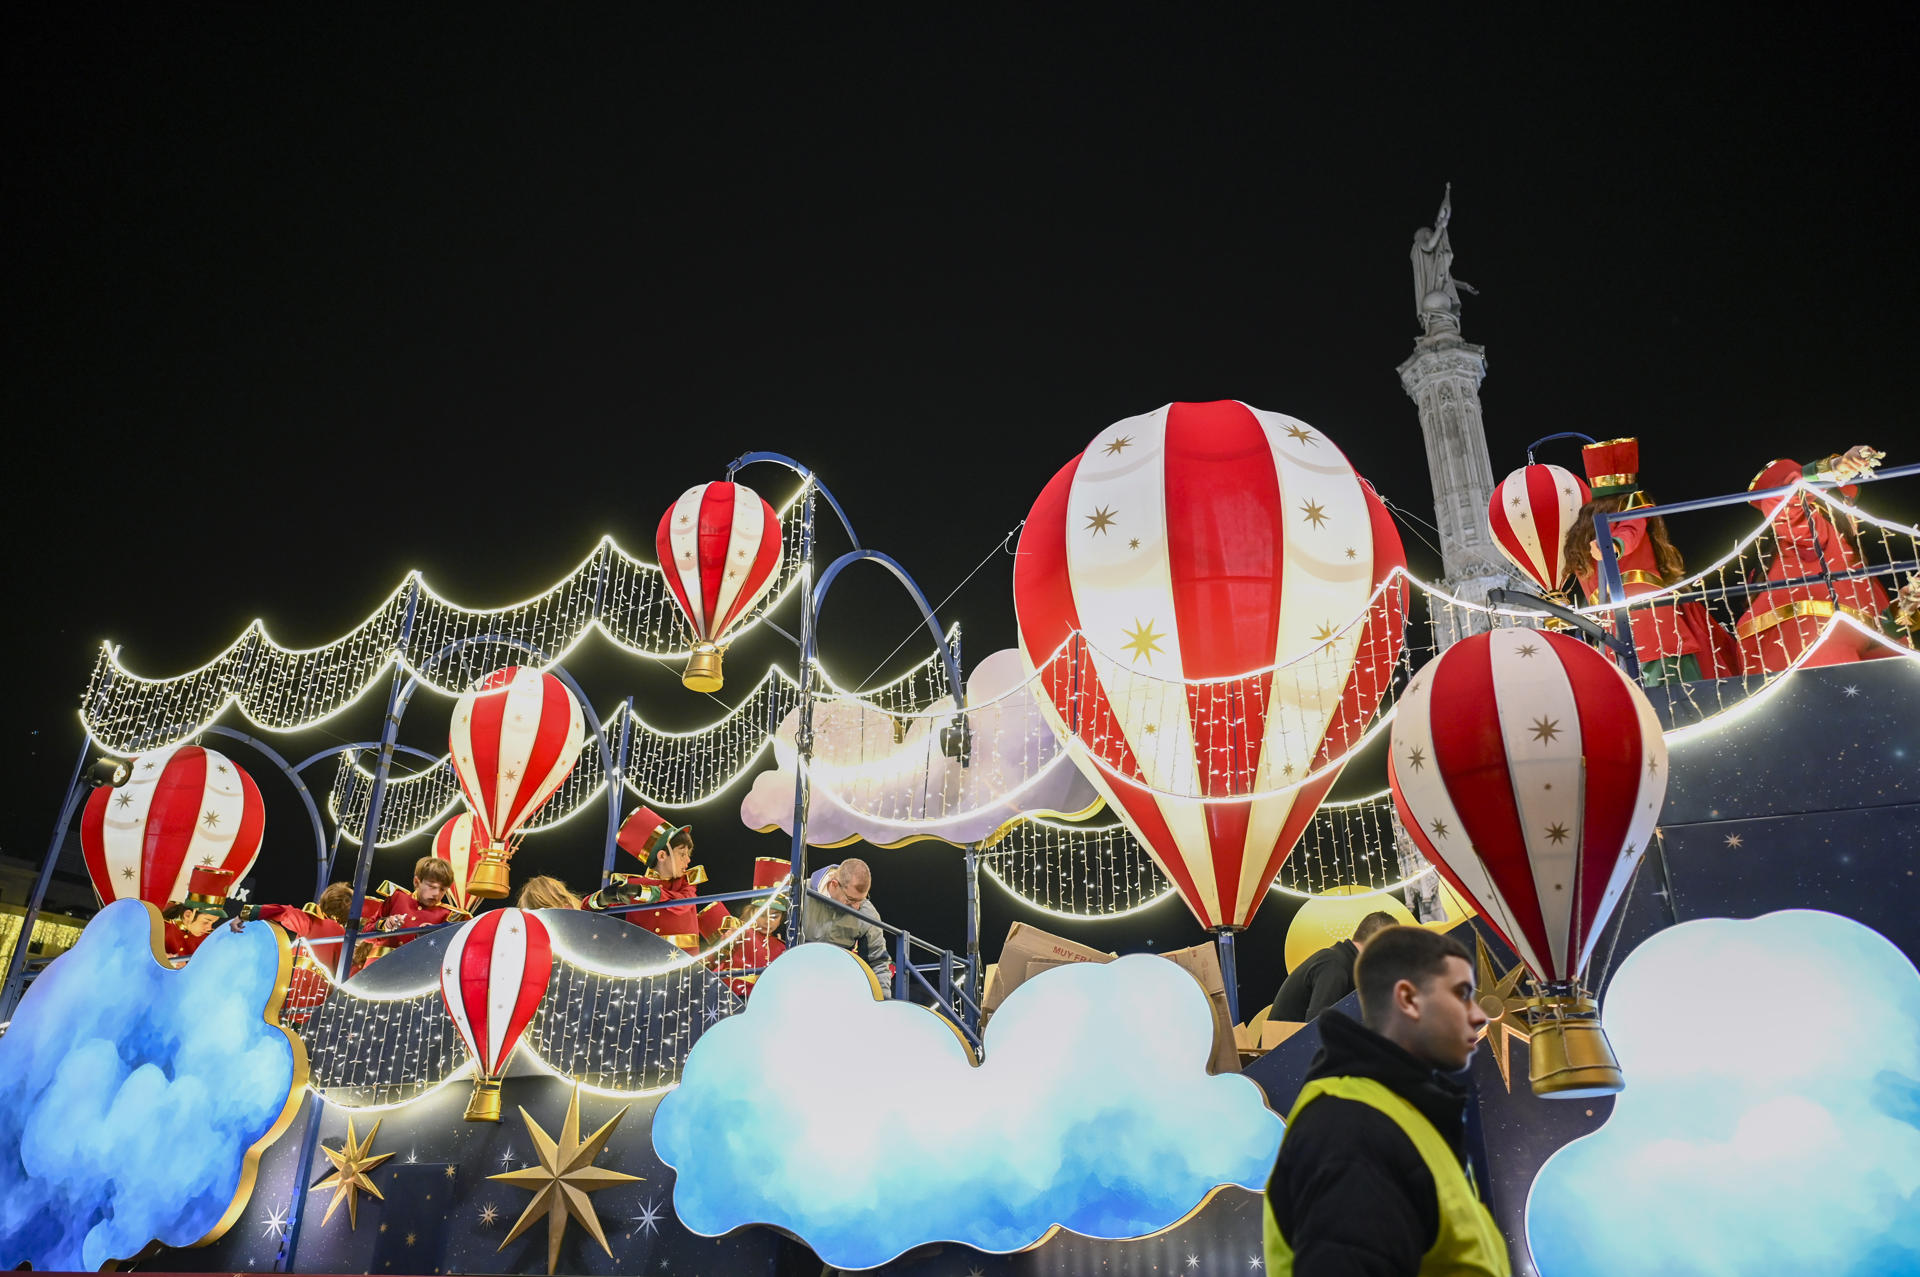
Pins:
x: 1324, y: 978
x: 1372, y: 1178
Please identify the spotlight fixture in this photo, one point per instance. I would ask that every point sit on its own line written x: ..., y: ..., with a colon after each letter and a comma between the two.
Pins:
x: 108, y: 771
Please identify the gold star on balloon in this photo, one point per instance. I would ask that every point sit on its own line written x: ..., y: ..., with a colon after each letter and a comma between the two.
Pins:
x: 564, y: 1177
x: 351, y: 1167
x: 1118, y: 446
x: 1417, y: 758
x: 1142, y: 641
x: 1526, y: 650
x: 1100, y: 520
x: 1506, y: 1010
x: 1315, y: 513
x: 1301, y: 433
x: 1325, y: 633
x: 1557, y: 833
x: 1545, y: 729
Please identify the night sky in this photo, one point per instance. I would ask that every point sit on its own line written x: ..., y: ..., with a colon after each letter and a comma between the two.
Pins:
x: 298, y: 302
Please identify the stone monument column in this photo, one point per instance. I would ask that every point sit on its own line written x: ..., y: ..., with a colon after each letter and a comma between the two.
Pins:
x: 1443, y: 377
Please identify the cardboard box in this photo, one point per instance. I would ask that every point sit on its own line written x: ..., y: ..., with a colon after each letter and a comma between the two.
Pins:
x: 1256, y: 1039
x: 1027, y: 952
x: 1202, y: 962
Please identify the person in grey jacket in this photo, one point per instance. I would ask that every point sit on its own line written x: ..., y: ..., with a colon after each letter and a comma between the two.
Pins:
x: 850, y: 882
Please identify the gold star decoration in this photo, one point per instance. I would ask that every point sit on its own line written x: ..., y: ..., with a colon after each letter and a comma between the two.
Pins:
x: 1301, y: 433
x: 1118, y: 446
x: 1100, y: 520
x: 564, y: 1177
x: 211, y: 819
x: 351, y: 1167
x: 1545, y: 729
x: 1134, y: 544
x: 1417, y: 758
x: 1557, y: 833
x: 1439, y: 827
x: 1734, y: 840
x: 1142, y: 641
x: 1316, y: 513
x: 1352, y: 553
x: 127, y: 873
x: 1506, y: 1011
x: 1324, y: 633
x: 123, y: 800
x: 1653, y: 765
x: 1525, y: 650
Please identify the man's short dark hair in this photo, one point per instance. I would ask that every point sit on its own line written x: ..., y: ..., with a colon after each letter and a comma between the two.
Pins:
x: 1372, y: 924
x: 1400, y: 953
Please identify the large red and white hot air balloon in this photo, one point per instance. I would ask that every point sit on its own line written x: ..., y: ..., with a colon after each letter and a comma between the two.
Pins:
x: 492, y: 977
x: 1229, y: 575
x: 181, y: 808
x: 456, y: 844
x: 1531, y: 773
x: 514, y: 741
x: 720, y: 550
x: 1529, y: 516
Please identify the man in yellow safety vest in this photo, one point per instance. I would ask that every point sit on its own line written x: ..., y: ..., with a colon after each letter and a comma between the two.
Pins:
x: 1373, y: 1177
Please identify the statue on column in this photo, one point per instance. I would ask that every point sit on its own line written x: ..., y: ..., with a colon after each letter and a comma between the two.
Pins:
x: 1436, y: 295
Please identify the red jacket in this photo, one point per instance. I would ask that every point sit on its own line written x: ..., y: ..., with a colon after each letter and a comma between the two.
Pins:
x: 750, y: 954
x: 181, y: 943
x: 1782, y: 620
x: 1667, y: 628
x: 405, y: 912
x: 678, y: 923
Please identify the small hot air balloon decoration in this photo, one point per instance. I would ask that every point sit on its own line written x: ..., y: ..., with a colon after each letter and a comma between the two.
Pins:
x: 455, y: 845
x: 1529, y: 516
x: 514, y: 741
x: 495, y: 972
x: 181, y: 809
x: 720, y: 551
x: 1531, y: 772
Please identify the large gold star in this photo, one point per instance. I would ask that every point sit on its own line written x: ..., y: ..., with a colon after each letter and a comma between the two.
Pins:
x: 564, y: 1177
x: 1545, y: 729
x: 1301, y: 433
x: 1506, y: 1012
x: 351, y: 1165
x: 1100, y: 520
x: 1142, y: 641
x: 1118, y: 446
x: 1315, y: 513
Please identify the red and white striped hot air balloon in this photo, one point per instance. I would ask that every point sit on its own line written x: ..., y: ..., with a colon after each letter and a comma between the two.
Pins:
x: 181, y: 808
x: 514, y: 741
x: 1228, y: 572
x: 1529, y: 515
x: 492, y: 978
x: 455, y: 844
x: 720, y: 551
x: 1531, y: 773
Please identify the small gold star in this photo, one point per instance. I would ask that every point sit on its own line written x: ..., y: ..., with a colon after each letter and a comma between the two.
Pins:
x: 1515, y: 501
x: 210, y: 819
x: 1439, y: 827
x: 1351, y: 553
x: 1526, y: 650
x: 1142, y: 641
x: 351, y: 1164
x: 127, y: 873
x: 1299, y: 432
x: 564, y: 1177
x: 123, y: 800
x: 1152, y: 728
x: 1557, y: 833
x: 1134, y: 544
x: 1545, y: 729
x: 1316, y: 513
x: 1734, y: 840
x: 449, y: 1172
x: 1653, y: 765
x: 1417, y: 758
x: 207, y: 859
x: 1100, y: 520
x: 512, y: 774
x: 1118, y: 446
x: 412, y: 1238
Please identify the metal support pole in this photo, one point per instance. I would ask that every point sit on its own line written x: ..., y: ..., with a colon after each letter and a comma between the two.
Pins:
x: 1613, y: 586
x: 973, y: 931
x: 1229, y: 974
x: 902, y: 974
x: 803, y: 731
x: 616, y: 794
x: 17, y: 963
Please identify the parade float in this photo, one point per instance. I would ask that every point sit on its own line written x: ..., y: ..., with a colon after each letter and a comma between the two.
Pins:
x: 1690, y: 897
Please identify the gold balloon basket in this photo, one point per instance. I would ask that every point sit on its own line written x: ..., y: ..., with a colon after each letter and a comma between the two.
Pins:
x: 1569, y: 1057
x: 484, y: 1104
x: 488, y: 881
x: 703, y: 668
